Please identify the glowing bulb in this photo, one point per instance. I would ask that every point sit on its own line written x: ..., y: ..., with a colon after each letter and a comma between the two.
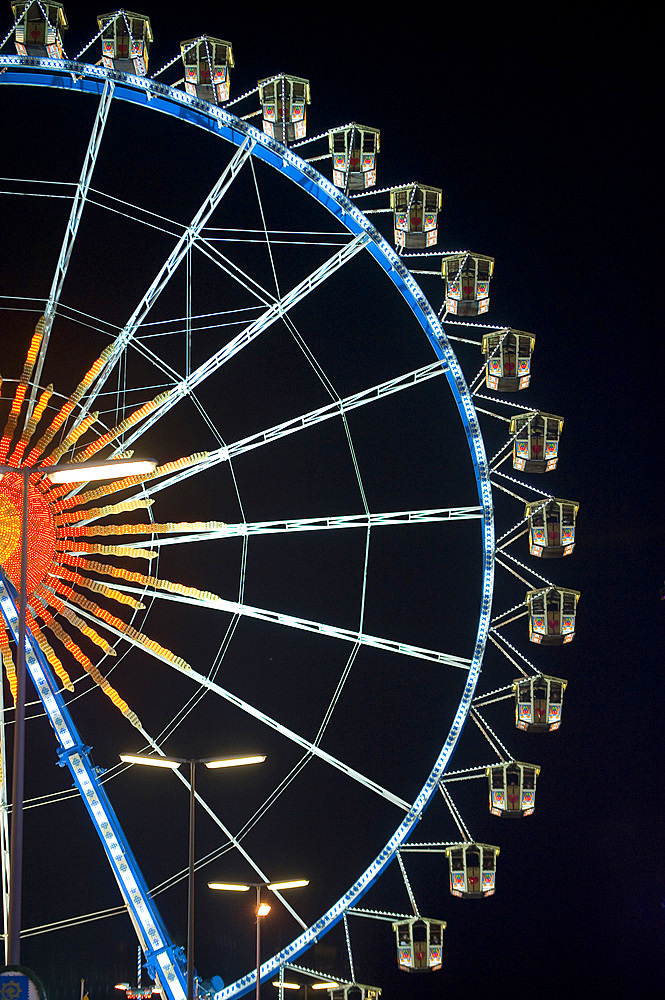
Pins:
x: 294, y: 883
x: 129, y: 758
x: 236, y: 761
x: 83, y: 472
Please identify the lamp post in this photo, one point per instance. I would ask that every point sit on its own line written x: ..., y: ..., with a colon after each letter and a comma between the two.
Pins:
x: 262, y: 909
x: 173, y: 763
x: 58, y: 473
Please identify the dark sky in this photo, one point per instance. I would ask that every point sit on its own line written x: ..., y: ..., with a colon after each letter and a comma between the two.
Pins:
x: 537, y: 128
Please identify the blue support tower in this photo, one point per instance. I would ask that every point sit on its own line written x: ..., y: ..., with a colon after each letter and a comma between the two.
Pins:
x: 165, y: 961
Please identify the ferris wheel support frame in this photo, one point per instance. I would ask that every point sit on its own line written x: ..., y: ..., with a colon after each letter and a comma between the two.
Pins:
x: 164, y: 960
x: 73, y: 76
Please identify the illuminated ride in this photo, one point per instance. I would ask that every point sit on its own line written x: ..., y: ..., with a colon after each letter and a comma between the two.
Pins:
x: 225, y: 388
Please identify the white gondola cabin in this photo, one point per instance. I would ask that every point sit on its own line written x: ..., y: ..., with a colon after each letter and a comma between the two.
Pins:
x: 512, y: 788
x: 419, y: 944
x: 508, y: 359
x: 472, y: 870
x: 467, y: 278
x: 284, y: 101
x: 208, y: 63
x: 416, y: 210
x: 536, y: 443
x: 126, y: 39
x: 552, y: 613
x: 39, y: 29
x: 538, y: 703
x: 551, y: 527
x: 353, y: 149
x: 354, y: 991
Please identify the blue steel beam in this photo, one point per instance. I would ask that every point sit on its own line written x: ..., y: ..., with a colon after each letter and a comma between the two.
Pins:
x: 164, y: 960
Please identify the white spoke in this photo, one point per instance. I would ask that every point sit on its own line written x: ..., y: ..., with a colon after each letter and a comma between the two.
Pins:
x: 276, y: 311
x: 306, y: 625
x: 205, y: 682
x: 171, y: 264
x: 72, y: 229
x: 312, y: 748
x: 334, y: 409
x: 313, y: 524
x: 235, y: 272
x: 502, y: 752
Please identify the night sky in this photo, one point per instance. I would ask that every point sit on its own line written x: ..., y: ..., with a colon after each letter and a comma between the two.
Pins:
x: 537, y: 130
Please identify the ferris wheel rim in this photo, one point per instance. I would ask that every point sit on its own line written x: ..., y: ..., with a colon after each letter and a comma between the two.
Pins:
x: 139, y: 91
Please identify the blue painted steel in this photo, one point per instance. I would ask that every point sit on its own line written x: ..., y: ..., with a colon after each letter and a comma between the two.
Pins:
x: 163, y: 959
x: 83, y: 78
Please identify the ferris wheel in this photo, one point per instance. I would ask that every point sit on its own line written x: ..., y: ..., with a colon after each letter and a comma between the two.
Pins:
x: 310, y: 568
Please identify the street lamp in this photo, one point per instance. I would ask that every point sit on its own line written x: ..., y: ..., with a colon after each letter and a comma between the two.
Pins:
x: 173, y: 763
x: 283, y: 984
x: 262, y: 909
x: 66, y: 472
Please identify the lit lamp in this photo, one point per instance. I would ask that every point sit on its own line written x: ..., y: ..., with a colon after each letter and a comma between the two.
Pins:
x: 173, y: 763
x: 262, y: 909
x: 65, y: 472
x: 284, y: 984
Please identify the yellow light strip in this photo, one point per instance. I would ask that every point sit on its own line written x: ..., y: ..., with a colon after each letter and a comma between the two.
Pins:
x: 124, y: 425
x: 84, y: 498
x: 67, y: 407
x: 71, y: 517
x: 21, y: 388
x: 106, y: 550
x: 81, y: 499
x: 93, y: 672
x: 31, y: 426
x: 49, y: 652
x: 90, y: 566
x: 48, y: 599
x: 146, y: 529
x: 71, y: 439
x: 96, y: 587
x: 104, y: 616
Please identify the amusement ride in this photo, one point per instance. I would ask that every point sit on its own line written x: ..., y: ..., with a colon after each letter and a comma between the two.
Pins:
x: 238, y: 315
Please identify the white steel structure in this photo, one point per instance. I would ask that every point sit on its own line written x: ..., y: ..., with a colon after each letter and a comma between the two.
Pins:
x: 247, y: 300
